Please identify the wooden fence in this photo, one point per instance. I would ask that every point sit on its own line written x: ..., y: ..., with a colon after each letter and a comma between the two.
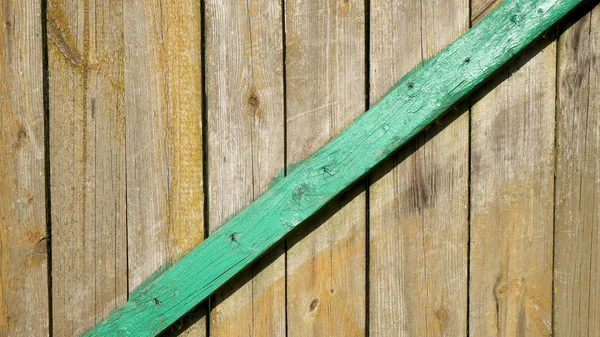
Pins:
x: 131, y: 130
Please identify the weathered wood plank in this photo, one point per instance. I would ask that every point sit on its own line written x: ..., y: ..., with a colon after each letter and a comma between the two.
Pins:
x: 419, y: 198
x: 182, y: 44
x: 418, y: 99
x: 87, y: 162
x: 244, y: 85
x: 512, y: 170
x: 163, y: 82
x: 23, y: 236
x: 147, y: 141
x: 481, y: 8
x: 164, y: 141
x: 325, y: 91
x: 577, y: 221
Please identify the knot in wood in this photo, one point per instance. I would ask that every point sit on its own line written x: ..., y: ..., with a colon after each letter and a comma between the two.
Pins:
x: 253, y: 100
x: 303, y: 195
x: 442, y: 314
x: 41, y: 247
x: 313, y: 305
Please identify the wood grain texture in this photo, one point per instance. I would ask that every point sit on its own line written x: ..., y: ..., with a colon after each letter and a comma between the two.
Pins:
x: 419, y: 198
x: 577, y: 221
x: 163, y: 85
x: 163, y: 82
x: 87, y: 158
x: 422, y: 96
x: 325, y: 87
x: 481, y: 8
x: 24, y: 309
x: 512, y: 171
x: 244, y: 86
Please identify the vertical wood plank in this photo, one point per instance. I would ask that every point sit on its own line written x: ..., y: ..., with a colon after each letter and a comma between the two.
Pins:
x: 186, y: 190
x: 481, y: 8
x: 148, y: 141
x: 87, y: 158
x: 512, y: 186
x: 23, y: 237
x: 244, y: 79
x: 182, y: 41
x: 325, y: 86
x: 419, y: 198
x: 577, y: 221
x: 163, y: 85
x: 164, y: 141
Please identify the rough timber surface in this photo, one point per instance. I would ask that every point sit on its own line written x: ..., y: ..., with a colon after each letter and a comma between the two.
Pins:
x: 325, y: 91
x: 244, y: 89
x: 87, y: 163
x: 512, y: 168
x: 577, y: 202
x: 163, y: 105
x: 419, y: 196
x: 24, y: 309
x: 418, y: 99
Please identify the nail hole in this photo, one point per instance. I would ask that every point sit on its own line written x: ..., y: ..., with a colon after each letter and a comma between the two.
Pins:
x: 157, y: 301
x: 410, y: 85
x: 467, y: 60
x: 326, y: 170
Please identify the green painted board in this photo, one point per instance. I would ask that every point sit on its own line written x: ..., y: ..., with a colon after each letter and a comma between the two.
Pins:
x: 422, y: 96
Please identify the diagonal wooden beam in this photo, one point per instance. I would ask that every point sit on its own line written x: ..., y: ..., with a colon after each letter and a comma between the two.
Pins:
x: 422, y: 96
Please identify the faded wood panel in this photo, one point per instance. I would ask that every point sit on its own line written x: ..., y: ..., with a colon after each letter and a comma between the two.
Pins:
x: 481, y: 8
x: 389, y: 124
x: 512, y: 170
x: 87, y: 162
x: 182, y: 45
x: 419, y: 197
x: 244, y: 85
x: 163, y: 85
x: 577, y: 221
x: 325, y: 87
x: 23, y: 236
